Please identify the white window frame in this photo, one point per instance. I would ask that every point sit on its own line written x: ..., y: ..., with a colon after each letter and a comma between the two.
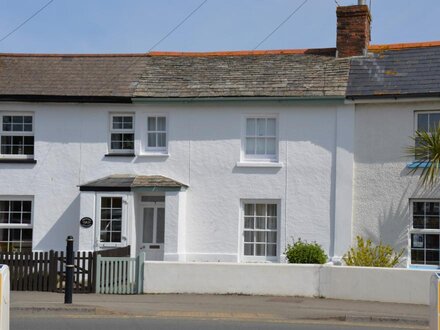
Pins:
x: 423, y: 112
x: 19, y: 225
x: 121, y: 131
x: 156, y: 150
x: 123, y: 221
x: 413, y: 230
x: 246, y: 258
x: 12, y: 133
x: 268, y: 158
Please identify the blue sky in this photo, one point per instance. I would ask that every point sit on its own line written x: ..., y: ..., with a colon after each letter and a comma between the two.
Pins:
x: 123, y: 26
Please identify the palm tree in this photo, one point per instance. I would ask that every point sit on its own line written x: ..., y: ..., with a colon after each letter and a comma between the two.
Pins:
x: 426, y: 151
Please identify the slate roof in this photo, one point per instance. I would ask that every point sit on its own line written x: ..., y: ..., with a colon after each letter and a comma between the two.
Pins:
x: 295, y: 73
x: 268, y: 75
x: 405, y: 72
x: 128, y: 182
x: 69, y: 76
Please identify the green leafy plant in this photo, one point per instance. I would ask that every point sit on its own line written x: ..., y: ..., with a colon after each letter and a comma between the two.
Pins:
x: 426, y: 151
x: 302, y: 252
x: 366, y: 254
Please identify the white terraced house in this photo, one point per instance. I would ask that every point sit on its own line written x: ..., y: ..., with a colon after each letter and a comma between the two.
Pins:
x: 221, y: 157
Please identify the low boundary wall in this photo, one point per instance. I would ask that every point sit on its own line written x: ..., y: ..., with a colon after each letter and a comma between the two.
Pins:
x: 336, y: 282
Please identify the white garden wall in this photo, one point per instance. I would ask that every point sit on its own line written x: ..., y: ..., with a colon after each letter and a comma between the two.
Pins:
x: 336, y: 282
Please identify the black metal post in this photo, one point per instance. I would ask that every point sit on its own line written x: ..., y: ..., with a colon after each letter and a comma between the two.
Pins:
x: 69, y: 271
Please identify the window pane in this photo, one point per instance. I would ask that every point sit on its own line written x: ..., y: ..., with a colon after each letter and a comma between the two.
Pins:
x: 271, y: 250
x: 260, y: 223
x: 432, y: 242
x: 161, y: 124
x: 249, y: 223
x: 106, y: 214
x: 261, y: 146
x: 260, y: 249
x: 250, y: 146
x: 105, y: 237
x: 151, y: 123
x: 4, y: 235
x: 147, y: 236
x: 260, y: 236
x: 261, y: 127
x: 116, y: 237
x: 106, y: 202
x: 271, y: 127
x: 116, y: 225
x: 15, y: 217
x: 161, y: 140
x: 417, y: 241
x: 250, y: 127
x: 26, y: 218
x: 26, y: 235
x: 249, y: 249
x: 432, y: 222
x: 117, y: 122
x: 272, y: 223
x: 434, y: 119
x: 432, y: 257
x: 249, y: 209
x: 152, y: 140
x: 271, y: 210
x: 4, y: 217
x: 105, y: 225
x: 160, y: 230
x: 116, y: 202
x: 419, y: 208
x: 248, y: 236
x: 127, y: 122
x: 432, y: 208
x: 419, y: 222
x: 271, y: 146
x: 271, y: 237
x: 261, y: 209
x: 422, y: 122
x: 4, y: 206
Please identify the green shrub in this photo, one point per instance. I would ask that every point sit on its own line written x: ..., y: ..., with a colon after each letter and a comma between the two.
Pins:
x: 302, y: 252
x: 366, y: 254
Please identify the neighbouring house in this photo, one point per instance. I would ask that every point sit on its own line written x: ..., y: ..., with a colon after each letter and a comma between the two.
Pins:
x: 221, y: 157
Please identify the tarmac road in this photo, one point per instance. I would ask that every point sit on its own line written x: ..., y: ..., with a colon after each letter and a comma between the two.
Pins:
x: 84, y: 322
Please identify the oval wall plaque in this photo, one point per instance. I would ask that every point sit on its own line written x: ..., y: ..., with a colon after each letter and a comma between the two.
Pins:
x: 86, y: 222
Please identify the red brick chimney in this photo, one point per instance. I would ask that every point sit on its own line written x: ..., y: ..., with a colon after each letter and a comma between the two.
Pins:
x: 353, y: 32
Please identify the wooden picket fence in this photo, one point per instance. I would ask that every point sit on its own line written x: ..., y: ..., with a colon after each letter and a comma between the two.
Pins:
x: 46, y: 271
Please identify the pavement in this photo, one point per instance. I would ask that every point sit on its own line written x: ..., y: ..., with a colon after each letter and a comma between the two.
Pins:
x: 226, y: 307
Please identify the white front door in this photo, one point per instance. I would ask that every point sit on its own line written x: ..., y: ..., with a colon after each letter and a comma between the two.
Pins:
x: 151, y: 240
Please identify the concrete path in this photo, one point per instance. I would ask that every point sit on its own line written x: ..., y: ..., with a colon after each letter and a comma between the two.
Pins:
x: 228, y: 307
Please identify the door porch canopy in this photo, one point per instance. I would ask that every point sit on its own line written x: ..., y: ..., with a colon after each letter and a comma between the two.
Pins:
x: 138, y: 183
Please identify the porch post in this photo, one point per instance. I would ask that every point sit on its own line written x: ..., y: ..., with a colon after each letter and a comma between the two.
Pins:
x: 175, y: 223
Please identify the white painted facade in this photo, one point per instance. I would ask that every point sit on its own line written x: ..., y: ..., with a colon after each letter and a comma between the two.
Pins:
x: 311, y: 180
x: 383, y: 186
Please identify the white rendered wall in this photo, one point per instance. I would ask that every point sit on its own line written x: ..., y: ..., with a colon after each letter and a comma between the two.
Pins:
x: 382, y: 183
x: 204, y: 149
x: 336, y: 282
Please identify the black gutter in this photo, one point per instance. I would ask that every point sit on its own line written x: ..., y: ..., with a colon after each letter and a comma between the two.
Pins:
x: 392, y: 96
x: 65, y: 98
x: 97, y: 188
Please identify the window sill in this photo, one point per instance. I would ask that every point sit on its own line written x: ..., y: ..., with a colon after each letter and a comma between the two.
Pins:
x: 119, y: 155
x: 423, y: 267
x: 17, y: 161
x: 416, y: 164
x: 260, y: 164
x: 154, y: 154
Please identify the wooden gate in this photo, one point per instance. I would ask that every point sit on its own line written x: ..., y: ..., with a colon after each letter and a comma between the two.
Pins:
x: 119, y: 275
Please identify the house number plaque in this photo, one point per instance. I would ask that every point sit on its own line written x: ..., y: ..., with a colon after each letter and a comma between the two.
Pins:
x: 86, y: 222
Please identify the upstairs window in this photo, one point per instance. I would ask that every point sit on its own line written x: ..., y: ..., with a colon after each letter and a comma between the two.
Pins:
x: 157, y: 133
x: 260, y: 142
x: 16, y: 136
x: 122, y: 133
x: 426, y: 122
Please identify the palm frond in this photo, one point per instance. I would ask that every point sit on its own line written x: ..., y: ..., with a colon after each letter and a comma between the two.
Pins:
x: 426, y: 151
